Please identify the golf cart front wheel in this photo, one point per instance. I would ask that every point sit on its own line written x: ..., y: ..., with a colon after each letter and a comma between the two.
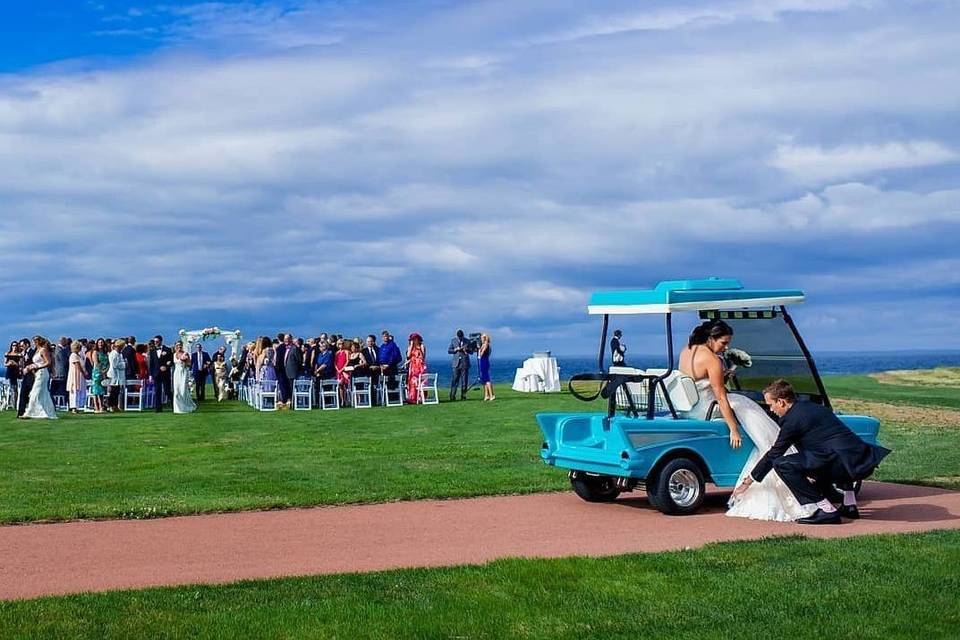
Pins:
x: 594, y: 488
x: 679, y: 488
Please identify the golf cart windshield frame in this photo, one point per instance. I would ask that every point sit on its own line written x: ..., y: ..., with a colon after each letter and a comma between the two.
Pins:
x: 655, y: 382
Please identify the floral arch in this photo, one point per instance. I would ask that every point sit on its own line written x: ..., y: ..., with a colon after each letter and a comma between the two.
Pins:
x: 232, y: 338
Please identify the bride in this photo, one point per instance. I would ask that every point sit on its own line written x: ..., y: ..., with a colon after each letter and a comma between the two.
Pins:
x: 182, y: 401
x: 700, y: 359
x: 39, y: 403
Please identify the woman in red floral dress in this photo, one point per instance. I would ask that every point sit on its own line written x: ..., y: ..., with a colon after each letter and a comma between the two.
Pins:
x: 416, y: 365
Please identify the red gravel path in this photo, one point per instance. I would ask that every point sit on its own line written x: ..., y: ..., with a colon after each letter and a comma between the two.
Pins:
x: 74, y: 557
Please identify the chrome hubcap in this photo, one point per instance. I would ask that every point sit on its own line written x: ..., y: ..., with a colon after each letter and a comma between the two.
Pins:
x: 684, y: 487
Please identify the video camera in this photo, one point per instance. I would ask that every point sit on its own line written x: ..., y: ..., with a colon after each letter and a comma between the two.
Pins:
x: 472, y: 342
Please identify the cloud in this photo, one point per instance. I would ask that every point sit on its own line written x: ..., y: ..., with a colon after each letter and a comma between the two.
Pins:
x: 817, y: 163
x: 427, y: 171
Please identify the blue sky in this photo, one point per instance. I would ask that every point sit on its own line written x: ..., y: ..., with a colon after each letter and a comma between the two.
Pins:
x: 351, y: 166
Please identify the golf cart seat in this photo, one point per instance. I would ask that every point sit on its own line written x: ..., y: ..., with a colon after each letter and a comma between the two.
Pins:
x: 680, y: 387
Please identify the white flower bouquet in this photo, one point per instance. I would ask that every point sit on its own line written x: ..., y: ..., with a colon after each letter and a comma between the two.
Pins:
x: 737, y: 358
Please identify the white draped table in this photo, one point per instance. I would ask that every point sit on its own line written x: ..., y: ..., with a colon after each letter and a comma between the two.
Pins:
x: 538, y: 374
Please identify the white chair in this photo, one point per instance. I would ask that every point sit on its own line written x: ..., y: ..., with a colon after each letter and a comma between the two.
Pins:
x: 391, y: 397
x: 88, y: 404
x: 302, y: 394
x: 330, y: 394
x: 362, y: 393
x: 6, y: 395
x: 427, y: 389
x: 149, y: 392
x: 267, y: 395
x: 133, y: 396
x: 60, y: 403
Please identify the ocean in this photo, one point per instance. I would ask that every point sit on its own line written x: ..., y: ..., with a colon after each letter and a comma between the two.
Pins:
x: 502, y: 370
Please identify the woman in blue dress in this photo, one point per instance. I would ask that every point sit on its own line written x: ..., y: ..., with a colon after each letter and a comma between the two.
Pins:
x: 484, y: 355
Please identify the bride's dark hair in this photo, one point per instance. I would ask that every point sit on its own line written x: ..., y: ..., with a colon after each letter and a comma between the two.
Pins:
x: 709, y: 329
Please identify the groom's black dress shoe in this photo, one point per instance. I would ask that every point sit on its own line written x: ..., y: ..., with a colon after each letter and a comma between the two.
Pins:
x: 821, y: 517
x: 850, y: 512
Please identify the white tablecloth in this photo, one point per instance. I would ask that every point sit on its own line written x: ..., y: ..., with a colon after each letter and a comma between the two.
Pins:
x: 538, y: 374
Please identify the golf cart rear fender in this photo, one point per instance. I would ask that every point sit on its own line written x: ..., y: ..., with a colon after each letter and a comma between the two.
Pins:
x: 864, y: 426
x: 588, y: 442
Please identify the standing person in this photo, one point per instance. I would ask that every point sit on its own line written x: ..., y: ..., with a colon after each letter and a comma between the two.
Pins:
x: 13, y: 361
x: 618, y: 350
x: 389, y: 358
x: 27, y: 376
x: 416, y: 365
x: 371, y: 355
x: 182, y: 370
x: 340, y: 359
x: 58, y: 372
x: 117, y: 374
x: 292, y: 363
x: 461, y: 366
x: 76, y: 380
x: 484, y: 357
x: 265, y: 359
x: 200, y: 367
x: 95, y: 355
x: 129, y: 353
x: 142, y: 370
x: 279, y: 366
x: 219, y: 377
x: 160, y: 367
x: 40, y: 404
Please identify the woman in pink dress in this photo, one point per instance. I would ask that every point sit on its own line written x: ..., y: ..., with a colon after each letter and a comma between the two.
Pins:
x: 340, y: 363
x: 416, y: 365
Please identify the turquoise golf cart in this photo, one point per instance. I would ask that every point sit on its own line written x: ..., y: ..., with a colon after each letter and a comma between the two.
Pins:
x: 654, y: 435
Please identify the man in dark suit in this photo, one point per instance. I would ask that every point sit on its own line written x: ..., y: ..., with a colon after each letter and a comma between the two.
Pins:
x: 61, y: 364
x: 461, y: 366
x: 200, y: 367
x: 292, y: 364
x: 28, y: 376
x: 160, y: 366
x: 129, y: 353
x: 827, y: 452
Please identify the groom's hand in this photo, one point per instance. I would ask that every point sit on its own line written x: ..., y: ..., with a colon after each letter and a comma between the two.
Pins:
x: 740, y: 490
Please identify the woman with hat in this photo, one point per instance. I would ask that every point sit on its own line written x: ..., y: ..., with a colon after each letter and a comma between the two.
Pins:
x: 416, y: 365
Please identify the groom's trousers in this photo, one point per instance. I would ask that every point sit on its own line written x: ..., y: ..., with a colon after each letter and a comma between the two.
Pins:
x: 797, y: 471
x: 26, y: 385
x: 162, y: 390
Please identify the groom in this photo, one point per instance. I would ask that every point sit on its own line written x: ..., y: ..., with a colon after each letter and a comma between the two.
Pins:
x: 827, y: 451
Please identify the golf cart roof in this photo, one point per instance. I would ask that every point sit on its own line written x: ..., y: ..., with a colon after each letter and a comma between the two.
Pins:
x: 690, y: 295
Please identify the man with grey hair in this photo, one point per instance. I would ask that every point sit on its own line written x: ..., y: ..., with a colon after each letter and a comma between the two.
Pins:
x: 61, y: 365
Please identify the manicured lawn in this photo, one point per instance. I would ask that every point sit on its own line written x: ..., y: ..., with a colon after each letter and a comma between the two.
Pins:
x: 228, y: 457
x: 873, y: 587
x: 868, y: 388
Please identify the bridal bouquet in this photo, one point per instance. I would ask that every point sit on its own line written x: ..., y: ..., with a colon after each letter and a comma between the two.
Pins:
x: 737, y: 358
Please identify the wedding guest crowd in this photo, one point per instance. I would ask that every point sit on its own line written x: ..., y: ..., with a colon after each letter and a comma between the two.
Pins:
x: 101, y: 368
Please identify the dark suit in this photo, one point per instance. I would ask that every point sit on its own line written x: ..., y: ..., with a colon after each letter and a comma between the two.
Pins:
x: 373, y: 367
x: 162, y: 387
x: 292, y: 365
x: 129, y: 354
x: 26, y: 382
x: 200, y: 367
x: 461, y: 368
x: 827, y: 451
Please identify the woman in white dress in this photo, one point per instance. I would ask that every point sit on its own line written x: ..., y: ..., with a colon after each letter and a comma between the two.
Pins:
x: 117, y: 374
x: 700, y: 359
x: 76, y: 379
x: 40, y: 404
x: 182, y: 399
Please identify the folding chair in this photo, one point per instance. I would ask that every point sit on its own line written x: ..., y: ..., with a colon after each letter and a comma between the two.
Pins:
x: 302, y: 394
x: 60, y: 403
x: 391, y: 397
x: 133, y: 396
x: 88, y: 404
x: 330, y: 394
x: 149, y: 393
x: 362, y: 394
x: 267, y: 395
x: 427, y: 389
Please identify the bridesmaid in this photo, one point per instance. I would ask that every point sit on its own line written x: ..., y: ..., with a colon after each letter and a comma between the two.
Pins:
x: 483, y: 354
x: 13, y: 361
x: 76, y: 379
x: 340, y: 364
x: 416, y: 365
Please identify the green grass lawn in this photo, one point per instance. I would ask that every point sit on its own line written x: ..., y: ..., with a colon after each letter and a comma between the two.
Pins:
x: 879, y: 587
x: 869, y: 388
x: 229, y: 457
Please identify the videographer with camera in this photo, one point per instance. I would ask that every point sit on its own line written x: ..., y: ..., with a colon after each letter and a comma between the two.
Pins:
x: 460, y: 349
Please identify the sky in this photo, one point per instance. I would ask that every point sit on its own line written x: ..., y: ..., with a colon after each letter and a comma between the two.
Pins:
x: 432, y: 165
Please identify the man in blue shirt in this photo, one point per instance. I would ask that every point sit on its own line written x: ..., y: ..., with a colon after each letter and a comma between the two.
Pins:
x: 389, y: 358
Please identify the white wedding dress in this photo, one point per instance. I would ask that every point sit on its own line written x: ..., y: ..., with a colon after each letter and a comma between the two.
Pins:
x: 182, y: 400
x: 770, y: 499
x: 40, y: 404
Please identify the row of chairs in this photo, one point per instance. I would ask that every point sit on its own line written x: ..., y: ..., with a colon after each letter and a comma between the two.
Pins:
x: 136, y: 395
x: 390, y: 392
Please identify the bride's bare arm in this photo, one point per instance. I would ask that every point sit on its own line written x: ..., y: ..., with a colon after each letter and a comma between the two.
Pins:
x: 716, y: 377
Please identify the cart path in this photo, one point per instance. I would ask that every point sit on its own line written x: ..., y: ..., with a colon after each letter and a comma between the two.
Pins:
x: 45, y: 559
